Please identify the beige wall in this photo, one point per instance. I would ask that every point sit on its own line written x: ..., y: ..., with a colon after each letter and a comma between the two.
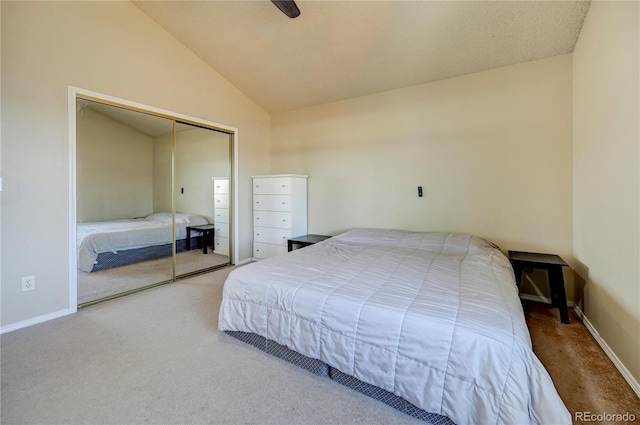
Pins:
x: 162, y: 173
x: 111, y: 48
x: 114, y: 171
x: 200, y: 155
x: 492, y: 152
x: 606, y: 227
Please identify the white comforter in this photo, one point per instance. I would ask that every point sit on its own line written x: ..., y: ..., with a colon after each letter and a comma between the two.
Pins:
x: 434, y: 318
x: 119, y: 235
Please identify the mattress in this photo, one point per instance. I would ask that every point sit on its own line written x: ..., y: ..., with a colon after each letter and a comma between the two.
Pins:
x: 129, y: 234
x: 118, y: 258
x: 433, y: 318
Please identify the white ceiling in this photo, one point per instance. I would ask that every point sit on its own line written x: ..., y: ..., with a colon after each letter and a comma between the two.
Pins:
x: 342, y: 49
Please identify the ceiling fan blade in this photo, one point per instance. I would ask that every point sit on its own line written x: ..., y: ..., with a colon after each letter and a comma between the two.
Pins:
x: 288, y: 7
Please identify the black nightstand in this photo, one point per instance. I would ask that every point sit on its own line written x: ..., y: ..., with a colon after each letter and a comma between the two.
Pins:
x: 553, y: 264
x: 305, y: 240
x: 207, y: 231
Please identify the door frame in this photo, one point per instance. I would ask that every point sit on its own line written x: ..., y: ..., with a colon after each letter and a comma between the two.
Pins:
x: 77, y: 92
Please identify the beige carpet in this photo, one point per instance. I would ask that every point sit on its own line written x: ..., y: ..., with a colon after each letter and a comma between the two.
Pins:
x: 156, y: 357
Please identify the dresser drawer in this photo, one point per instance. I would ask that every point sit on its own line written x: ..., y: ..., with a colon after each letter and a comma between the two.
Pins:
x: 272, y: 186
x: 221, y: 186
x: 281, y: 220
x: 272, y: 202
x: 271, y: 235
x: 265, y: 250
x: 222, y: 230
x: 221, y: 245
x: 221, y: 215
x: 221, y: 201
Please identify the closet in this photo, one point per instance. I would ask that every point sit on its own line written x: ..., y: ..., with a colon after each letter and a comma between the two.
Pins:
x: 144, y: 181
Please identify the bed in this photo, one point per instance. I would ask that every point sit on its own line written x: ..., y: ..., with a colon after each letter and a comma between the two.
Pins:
x: 432, y: 319
x: 107, y: 244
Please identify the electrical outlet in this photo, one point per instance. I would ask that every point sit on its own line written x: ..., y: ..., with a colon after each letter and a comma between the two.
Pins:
x: 28, y: 283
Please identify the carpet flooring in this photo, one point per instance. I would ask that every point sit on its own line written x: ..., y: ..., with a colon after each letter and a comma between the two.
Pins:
x: 156, y: 357
x: 584, y: 376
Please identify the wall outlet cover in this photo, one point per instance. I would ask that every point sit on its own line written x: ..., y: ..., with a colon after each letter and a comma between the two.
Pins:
x: 28, y: 283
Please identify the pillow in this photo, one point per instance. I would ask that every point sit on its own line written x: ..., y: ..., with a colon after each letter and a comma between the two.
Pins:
x: 193, y: 219
x: 163, y: 217
x: 182, y: 218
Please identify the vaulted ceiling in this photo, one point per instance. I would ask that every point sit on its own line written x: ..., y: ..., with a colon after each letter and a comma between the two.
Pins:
x: 342, y: 49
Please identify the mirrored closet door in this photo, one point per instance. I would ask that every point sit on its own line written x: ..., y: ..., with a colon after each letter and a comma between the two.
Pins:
x: 146, y: 200
x: 202, y: 173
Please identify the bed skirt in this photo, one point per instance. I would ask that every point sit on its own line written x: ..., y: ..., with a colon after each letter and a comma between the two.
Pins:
x: 112, y: 259
x: 320, y: 368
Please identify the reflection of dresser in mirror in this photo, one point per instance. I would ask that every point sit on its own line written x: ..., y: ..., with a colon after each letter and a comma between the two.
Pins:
x: 221, y: 215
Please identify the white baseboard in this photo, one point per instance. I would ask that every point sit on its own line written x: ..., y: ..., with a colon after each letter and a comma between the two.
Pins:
x: 35, y: 320
x: 605, y: 347
x: 609, y: 352
x: 61, y: 313
x: 541, y: 299
x: 245, y: 261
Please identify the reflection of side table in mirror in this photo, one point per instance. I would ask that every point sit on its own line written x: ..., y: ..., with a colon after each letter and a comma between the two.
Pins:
x: 207, y: 231
x: 553, y: 264
x: 305, y: 240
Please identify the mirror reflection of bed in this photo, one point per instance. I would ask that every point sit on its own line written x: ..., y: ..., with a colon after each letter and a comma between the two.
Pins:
x: 127, y: 192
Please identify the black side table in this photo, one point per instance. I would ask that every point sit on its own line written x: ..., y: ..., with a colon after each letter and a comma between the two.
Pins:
x: 207, y: 231
x: 553, y: 264
x: 305, y: 240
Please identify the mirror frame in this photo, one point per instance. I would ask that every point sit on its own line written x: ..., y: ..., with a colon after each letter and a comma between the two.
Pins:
x: 75, y: 93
